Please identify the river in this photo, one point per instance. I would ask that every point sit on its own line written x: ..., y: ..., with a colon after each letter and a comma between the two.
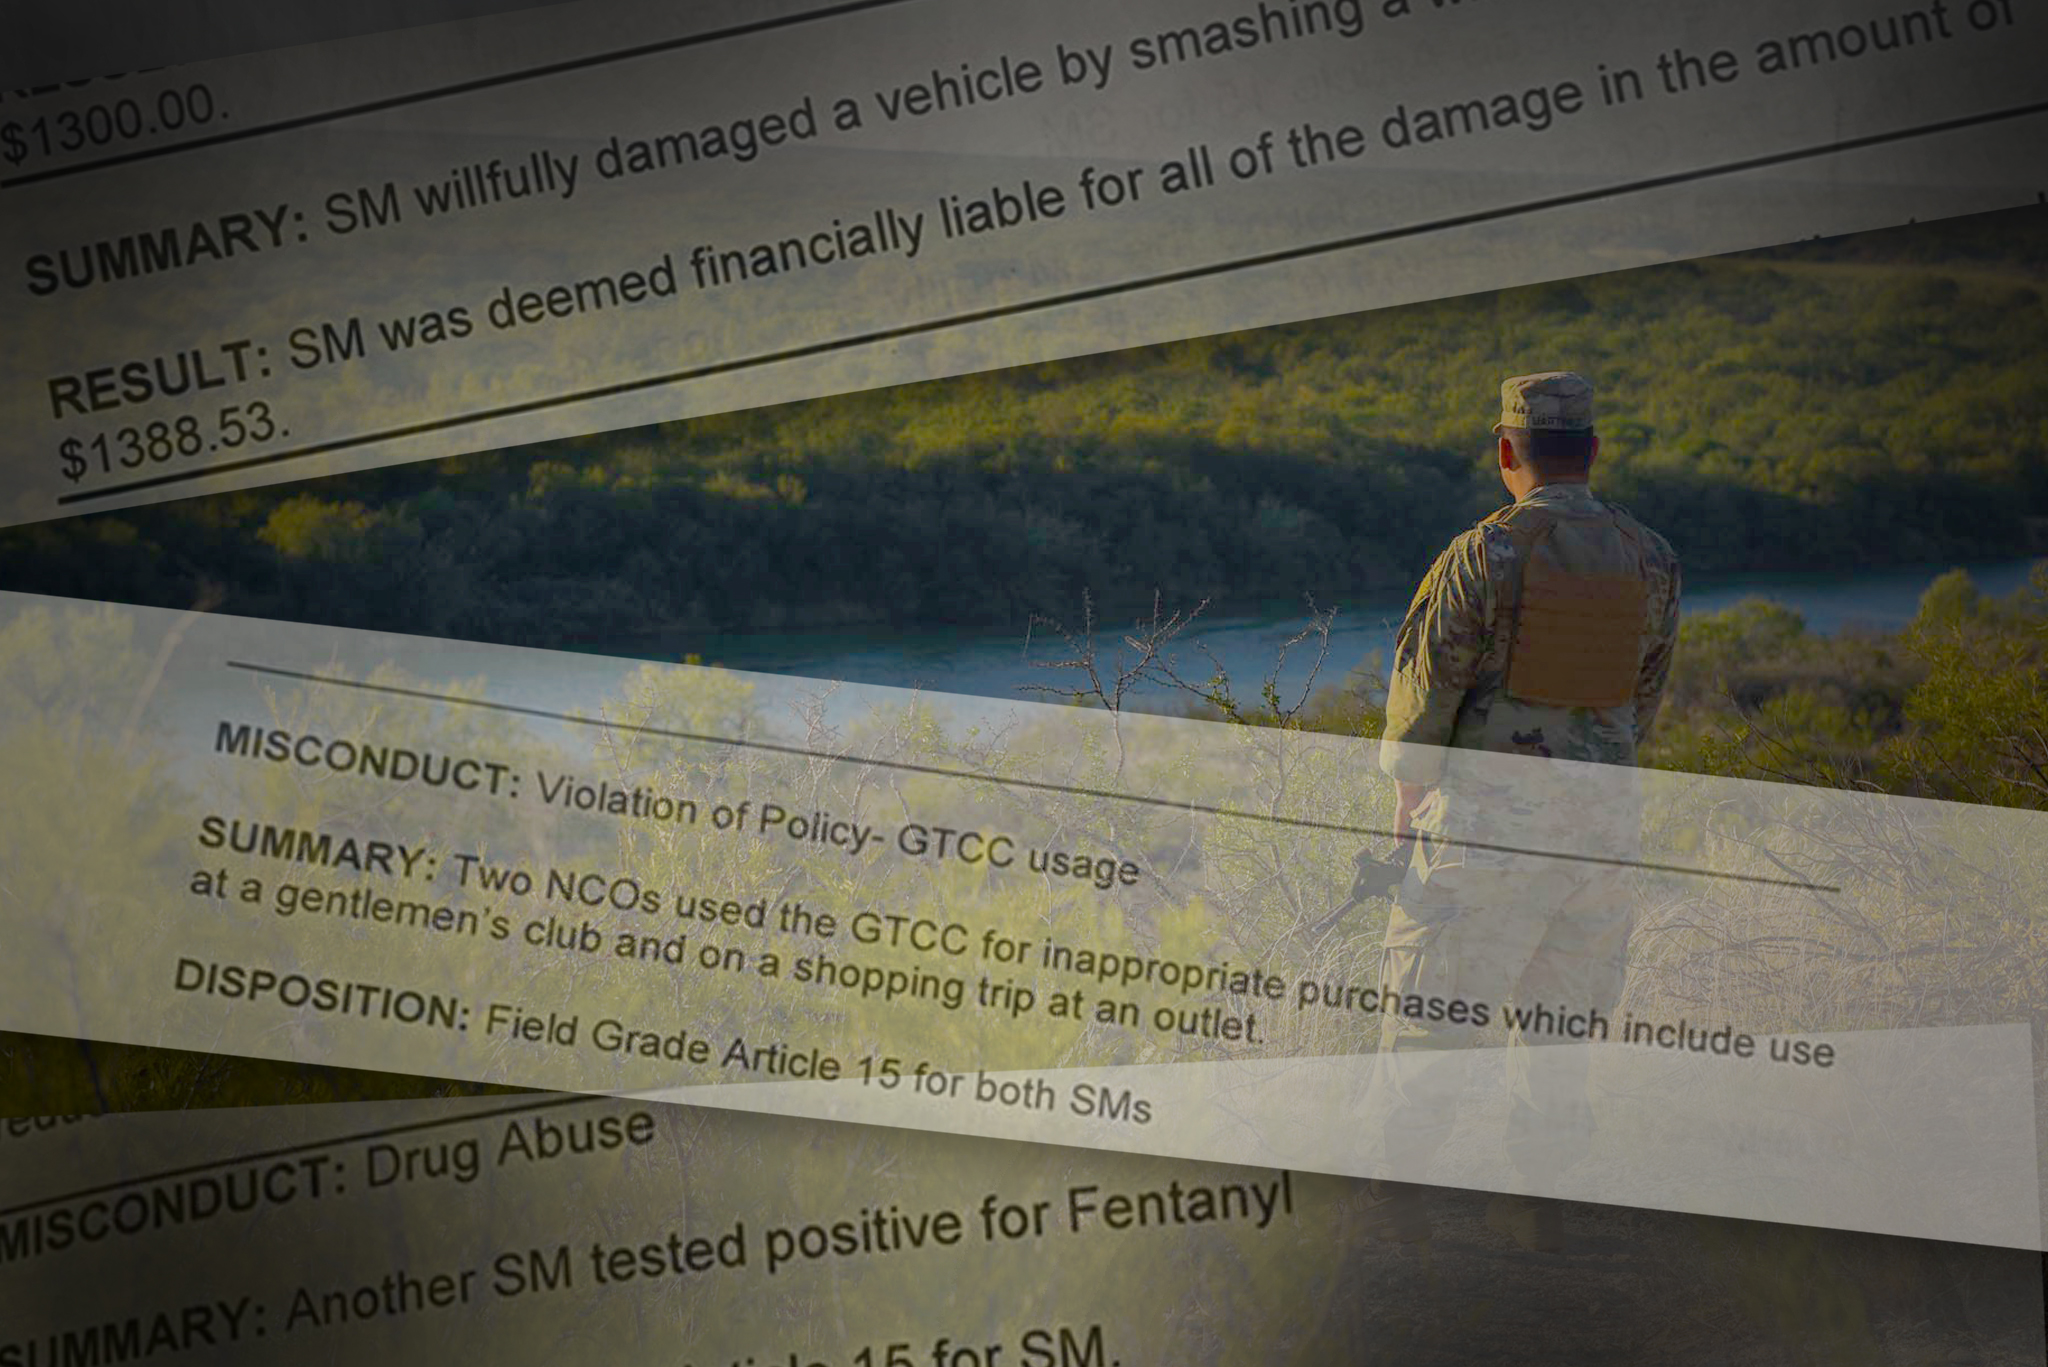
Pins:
x: 1001, y: 665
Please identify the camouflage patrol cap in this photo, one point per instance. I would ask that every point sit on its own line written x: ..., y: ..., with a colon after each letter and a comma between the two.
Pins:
x: 1550, y: 401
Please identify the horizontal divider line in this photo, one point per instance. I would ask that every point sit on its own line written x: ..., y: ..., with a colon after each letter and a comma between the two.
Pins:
x: 1095, y: 292
x: 1036, y: 785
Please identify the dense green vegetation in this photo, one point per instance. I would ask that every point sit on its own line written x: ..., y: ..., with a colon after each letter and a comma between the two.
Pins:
x: 1876, y: 399
x: 1953, y: 707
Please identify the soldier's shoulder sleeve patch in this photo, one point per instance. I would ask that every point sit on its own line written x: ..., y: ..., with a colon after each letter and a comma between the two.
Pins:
x: 1455, y: 585
x: 1492, y: 548
x: 1475, y: 555
x: 1659, y: 548
x: 1661, y: 552
x: 1664, y: 548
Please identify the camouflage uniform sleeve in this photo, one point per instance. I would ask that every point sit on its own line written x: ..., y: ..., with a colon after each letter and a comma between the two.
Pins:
x: 1657, y: 659
x: 1436, y: 661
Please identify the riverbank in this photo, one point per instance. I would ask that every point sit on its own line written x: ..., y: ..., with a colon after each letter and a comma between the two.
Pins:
x: 1003, y: 664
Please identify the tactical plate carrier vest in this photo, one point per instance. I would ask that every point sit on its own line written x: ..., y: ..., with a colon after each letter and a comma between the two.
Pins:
x: 1575, y: 635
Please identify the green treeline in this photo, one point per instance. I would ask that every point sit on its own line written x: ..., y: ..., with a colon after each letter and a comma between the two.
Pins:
x: 1823, y: 406
x: 1953, y: 707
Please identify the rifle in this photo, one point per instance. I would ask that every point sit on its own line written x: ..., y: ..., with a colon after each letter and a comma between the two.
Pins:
x: 1376, y: 877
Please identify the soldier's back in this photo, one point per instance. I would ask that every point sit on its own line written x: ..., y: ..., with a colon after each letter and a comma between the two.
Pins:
x: 1581, y: 601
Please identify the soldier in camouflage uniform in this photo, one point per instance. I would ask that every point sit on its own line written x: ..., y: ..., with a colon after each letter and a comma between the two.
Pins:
x: 1546, y: 631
